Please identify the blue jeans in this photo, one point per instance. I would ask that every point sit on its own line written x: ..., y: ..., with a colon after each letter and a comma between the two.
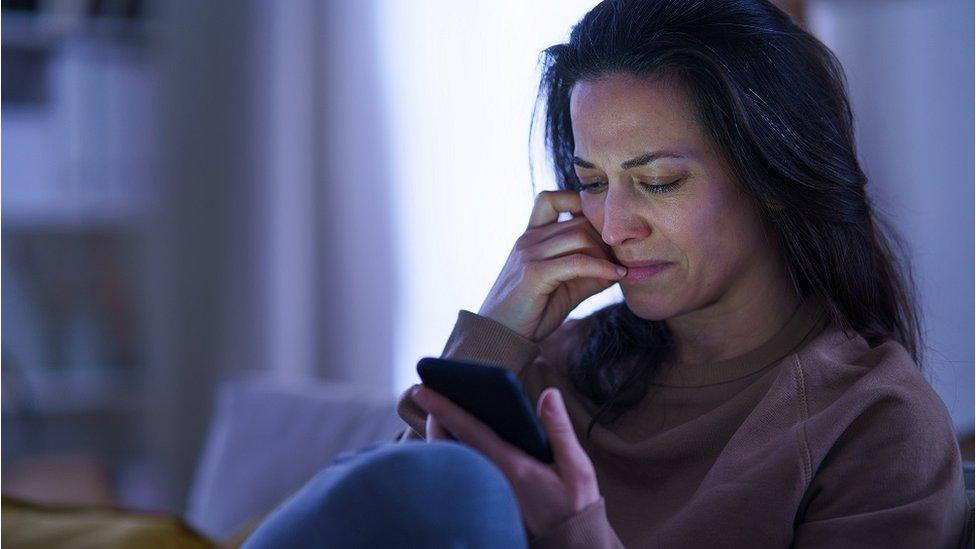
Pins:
x: 411, y: 494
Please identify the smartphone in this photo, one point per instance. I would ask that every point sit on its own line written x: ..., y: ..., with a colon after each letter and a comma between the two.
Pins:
x: 493, y: 395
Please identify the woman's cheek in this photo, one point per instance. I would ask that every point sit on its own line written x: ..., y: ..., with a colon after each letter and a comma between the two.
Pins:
x: 593, y: 211
x: 711, y: 241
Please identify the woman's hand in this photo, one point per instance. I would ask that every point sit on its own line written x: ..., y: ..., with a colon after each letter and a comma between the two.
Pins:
x: 552, y: 269
x: 547, y: 494
x: 435, y: 431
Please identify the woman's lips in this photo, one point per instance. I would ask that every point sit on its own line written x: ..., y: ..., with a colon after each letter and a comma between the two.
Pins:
x: 636, y: 274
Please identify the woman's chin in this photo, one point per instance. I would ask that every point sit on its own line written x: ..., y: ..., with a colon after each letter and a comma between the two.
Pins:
x: 649, y: 307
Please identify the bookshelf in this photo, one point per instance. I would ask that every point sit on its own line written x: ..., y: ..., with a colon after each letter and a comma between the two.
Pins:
x: 79, y: 163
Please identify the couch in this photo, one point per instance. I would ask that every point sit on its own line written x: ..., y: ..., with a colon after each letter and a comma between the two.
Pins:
x: 267, y: 439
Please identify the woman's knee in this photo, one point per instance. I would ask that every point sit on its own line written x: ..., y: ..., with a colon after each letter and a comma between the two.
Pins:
x: 426, y: 492
x: 419, y: 475
x: 433, y: 462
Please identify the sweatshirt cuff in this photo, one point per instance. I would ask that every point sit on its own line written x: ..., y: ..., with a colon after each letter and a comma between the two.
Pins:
x: 480, y: 339
x: 587, y: 529
x: 414, y: 416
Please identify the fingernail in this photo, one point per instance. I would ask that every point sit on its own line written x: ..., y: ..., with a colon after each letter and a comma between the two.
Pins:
x: 553, y: 402
x: 622, y: 271
x: 419, y: 396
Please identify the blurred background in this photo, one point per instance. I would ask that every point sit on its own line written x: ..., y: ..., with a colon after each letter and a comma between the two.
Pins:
x: 308, y: 192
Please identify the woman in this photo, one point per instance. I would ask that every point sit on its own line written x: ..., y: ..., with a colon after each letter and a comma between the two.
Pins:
x: 758, y: 386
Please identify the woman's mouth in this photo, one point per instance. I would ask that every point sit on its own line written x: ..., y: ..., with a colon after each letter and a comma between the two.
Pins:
x: 637, y: 274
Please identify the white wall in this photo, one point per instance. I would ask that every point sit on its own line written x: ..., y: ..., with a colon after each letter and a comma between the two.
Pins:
x: 910, y: 69
x: 460, y: 80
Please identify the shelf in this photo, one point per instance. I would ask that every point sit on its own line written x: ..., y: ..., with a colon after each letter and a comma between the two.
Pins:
x: 68, y: 393
x: 42, y: 31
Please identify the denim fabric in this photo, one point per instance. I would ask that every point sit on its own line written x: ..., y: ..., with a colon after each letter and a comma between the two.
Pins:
x: 393, y: 495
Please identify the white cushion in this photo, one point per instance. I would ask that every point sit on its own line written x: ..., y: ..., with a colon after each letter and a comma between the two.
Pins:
x: 266, y: 440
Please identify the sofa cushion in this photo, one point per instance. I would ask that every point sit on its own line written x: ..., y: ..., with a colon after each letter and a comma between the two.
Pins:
x: 267, y: 439
x: 30, y: 525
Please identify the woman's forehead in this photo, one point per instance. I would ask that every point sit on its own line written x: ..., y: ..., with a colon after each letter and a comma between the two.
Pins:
x: 621, y: 114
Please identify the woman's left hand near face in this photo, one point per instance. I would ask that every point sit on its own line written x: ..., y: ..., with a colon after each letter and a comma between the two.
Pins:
x: 547, y: 494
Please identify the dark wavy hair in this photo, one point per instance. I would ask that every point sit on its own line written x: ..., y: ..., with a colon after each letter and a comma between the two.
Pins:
x: 773, y: 100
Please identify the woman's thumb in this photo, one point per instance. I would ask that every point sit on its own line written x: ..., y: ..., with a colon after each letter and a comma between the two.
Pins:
x: 555, y: 420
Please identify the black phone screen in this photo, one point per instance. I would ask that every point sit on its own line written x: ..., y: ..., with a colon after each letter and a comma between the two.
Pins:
x: 493, y: 395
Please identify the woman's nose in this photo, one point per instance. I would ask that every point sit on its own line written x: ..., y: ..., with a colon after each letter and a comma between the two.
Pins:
x: 620, y: 222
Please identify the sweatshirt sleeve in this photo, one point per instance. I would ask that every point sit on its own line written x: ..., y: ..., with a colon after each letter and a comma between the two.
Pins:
x: 588, y: 529
x: 893, y: 479
x: 478, y: 339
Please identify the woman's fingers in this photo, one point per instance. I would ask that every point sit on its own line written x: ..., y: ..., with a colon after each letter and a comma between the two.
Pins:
x: 552, y: 272
x: 436, y: 431
x: 549, y: 204
x: 536, y: 242
x: 469, y: 430
x: 524, y: 297
x: 571, y: 460
x: 564, y: 244
x: 543, y: 232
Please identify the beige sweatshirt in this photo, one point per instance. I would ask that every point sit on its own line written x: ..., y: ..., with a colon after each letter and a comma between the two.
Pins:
x: 813, y: 439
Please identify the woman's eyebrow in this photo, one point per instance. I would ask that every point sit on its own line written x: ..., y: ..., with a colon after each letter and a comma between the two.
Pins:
x: 633, y: 162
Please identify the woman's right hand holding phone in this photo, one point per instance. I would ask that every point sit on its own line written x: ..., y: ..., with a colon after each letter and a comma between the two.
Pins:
x: 553, y: 267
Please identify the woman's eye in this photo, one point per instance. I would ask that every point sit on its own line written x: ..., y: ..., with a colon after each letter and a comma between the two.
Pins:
x: 659, y: 188
x: 592, y: 187
x: 653, y: 188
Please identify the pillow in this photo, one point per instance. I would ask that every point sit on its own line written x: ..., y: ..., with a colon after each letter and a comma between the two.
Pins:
x: 267, y: 439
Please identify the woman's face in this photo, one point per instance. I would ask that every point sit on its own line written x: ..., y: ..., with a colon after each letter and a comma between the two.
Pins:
x: 656, y: 190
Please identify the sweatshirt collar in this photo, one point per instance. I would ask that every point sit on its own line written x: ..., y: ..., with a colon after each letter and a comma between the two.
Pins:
x: 809, y: 319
